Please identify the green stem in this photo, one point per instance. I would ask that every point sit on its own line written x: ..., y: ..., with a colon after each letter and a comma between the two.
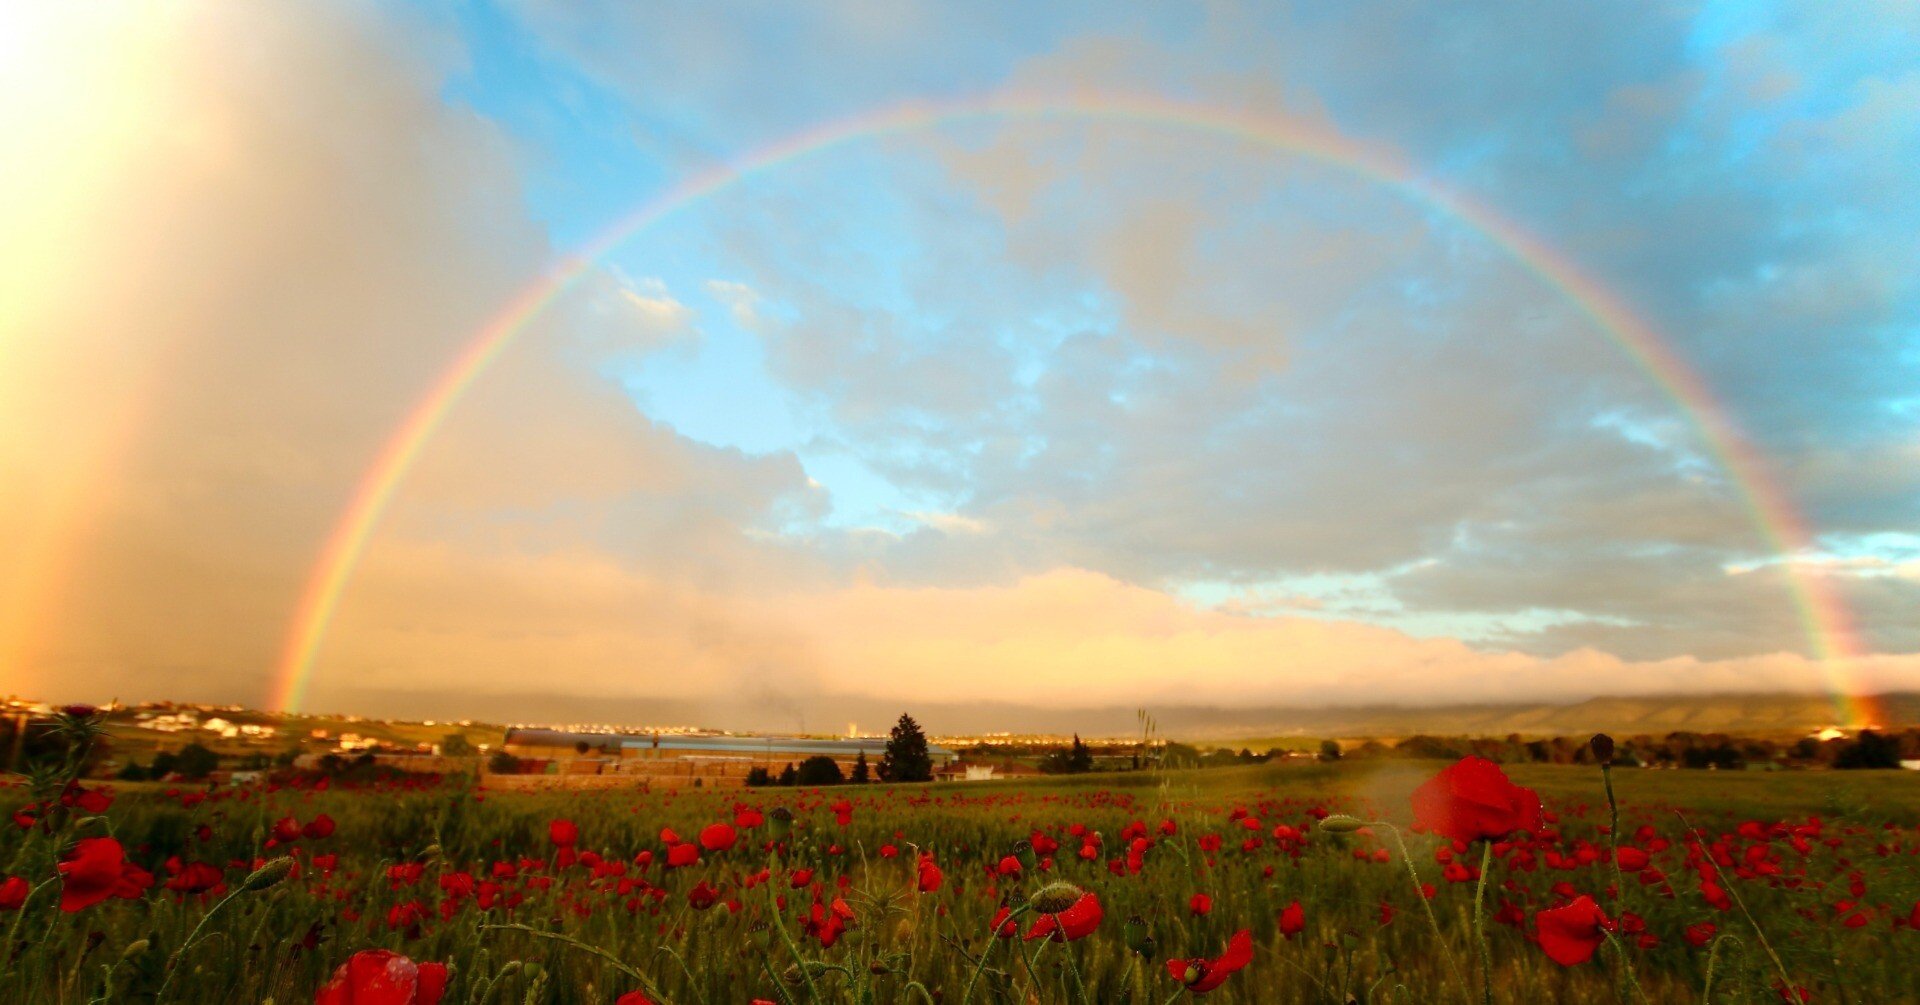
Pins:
x: 173, y: 962
x: 1073, y: 969
x: 1480, y: 923
x: 993, y: 938
x: 1613, y: 838
x: 652, y: 990
x: 780, y: 925
x: 778, y: 988
x: 1420, y: 894
x: 13, y: 930
x: 1713, y: 957
x: 1786, y: 980
x: 1626, y: 965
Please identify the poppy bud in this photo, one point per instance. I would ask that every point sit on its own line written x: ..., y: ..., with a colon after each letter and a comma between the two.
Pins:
x: 1138, y: 938
x: 268, y: 875
x: 79, y: 711
x: 782, y: 821
x: 1602, y: 748
x: 1055, y: 897
x: 1340, y: 823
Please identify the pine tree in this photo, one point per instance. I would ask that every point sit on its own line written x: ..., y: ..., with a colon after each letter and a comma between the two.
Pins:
x: 906, y: 759
x: 1080, y: 759
x: 789, y: 775
x: 860, y: 775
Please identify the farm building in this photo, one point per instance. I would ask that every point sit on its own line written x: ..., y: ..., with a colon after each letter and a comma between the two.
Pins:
x: 675, y: 758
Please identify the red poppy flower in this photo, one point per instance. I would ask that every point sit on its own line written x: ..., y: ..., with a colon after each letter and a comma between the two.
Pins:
x: 90, y: 873
x: 1473, y: 800
x: 633, y: 998
x: 683, y: 854
x: 380, y: 977
x: 930, y: 876
x: 717, y: 837
x: 1200, y: 904
x: 1292, y: 920
x: 89, y: 800
x: 13, y: 893
x: 563, y: 833
x: 1076, y: 922
x: 1570, y: 933
x: 319, y: 827
x: 133, y: 882
x: 197, y: 877
x: 1202, y: 975
x: 827, y: 924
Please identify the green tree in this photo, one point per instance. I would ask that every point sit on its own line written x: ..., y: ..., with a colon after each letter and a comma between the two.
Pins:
x: 503, y: 763
x: 906, y: 759
x: 1174, y: 754
x: 758, y: 777
x: 195, y: 762
x: 788, y: 776
x: 1073, y: 760
x: 819, y: 770
x: 1329, y: 750
x: 1871, y: 750
x: 861, y: 775
x: 1079, y: 758
x: 456, y: 745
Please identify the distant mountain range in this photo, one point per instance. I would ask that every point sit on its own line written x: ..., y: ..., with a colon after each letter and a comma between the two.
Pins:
x: 1718, y: 713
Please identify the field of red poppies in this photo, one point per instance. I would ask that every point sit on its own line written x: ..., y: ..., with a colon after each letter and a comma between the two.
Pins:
x: 1389, y: 882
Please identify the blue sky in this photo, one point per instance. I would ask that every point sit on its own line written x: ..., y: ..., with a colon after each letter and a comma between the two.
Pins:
x: 1264, y: 402
x: 608, y: 113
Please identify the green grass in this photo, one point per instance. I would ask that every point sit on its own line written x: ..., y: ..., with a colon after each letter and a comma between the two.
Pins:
x: 255, y: 950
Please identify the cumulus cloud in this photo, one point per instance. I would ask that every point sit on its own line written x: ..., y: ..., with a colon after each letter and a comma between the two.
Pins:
x: 239, y: 267
x: 1062, y: 638
x: 1103, y: 369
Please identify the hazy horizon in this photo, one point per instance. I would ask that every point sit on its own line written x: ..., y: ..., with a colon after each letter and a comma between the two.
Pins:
x: 979, y: 357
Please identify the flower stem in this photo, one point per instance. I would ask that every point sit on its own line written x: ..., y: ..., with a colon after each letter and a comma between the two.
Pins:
x: 173, y: 962
x: 1480, y: 924
x: 993, y: 933
x: 1786, y: 981
x: 1613, y: 838
x: 1420, y: 894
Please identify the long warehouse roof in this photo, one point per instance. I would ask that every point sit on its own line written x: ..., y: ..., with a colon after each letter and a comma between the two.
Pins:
x: 687, y: 741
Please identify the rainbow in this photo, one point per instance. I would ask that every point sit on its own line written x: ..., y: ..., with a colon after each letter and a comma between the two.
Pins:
x: 1824, y: 617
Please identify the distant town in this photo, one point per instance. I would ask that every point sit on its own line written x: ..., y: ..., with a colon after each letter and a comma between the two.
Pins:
x: 200, y: 743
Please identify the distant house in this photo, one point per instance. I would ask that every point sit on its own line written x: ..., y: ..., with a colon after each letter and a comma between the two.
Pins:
x: 967, y: 771
x: 981, y: 771
x: 1910, y: 765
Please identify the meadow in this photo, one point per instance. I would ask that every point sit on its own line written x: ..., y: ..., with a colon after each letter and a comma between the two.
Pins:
x: 1287, y: 883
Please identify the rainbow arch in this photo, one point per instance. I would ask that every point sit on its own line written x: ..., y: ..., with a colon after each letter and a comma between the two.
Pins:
x: 1825, y: 619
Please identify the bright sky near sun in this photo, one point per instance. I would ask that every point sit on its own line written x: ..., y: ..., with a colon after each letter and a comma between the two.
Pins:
x: 1102, y: 405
